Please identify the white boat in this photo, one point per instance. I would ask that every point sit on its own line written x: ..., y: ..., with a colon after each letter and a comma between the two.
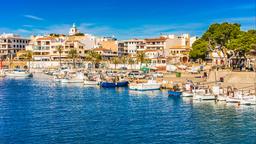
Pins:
x: 221, y: 98
x: 2, y: 74
x: 188, y: 90
x: 235, y: 97
x: 249, y: 100
x: 187, y: 94
x: 88, y: 82
x: 233, y: 100
x: 79, y: 78
x: 204, y: 96
x: 19, y: 73
x: 57, y: 79
x: 150, y: 85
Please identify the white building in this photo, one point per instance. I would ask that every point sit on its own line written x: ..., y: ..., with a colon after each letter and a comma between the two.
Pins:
x: 10, y: 44
x: 73, y: 30
x: 130, y: 47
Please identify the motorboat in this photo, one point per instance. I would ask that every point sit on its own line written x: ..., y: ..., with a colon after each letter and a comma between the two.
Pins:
x: 221, y: 98
x: 187, y: 94
x: 106, y: 84
x: 188, y: 90
x: 204, y: 94
x: 88, y: 82
x: 78, y: 78
x: 91, y: 80
x: 149, y: 85
x: 2, y: 74
x: 233, y: 100
x: 174, y: 93
x: 248, y: 100
x: 19, y: 73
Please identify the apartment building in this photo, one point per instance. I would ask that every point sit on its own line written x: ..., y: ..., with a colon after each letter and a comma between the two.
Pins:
x: 131, y: 47
x: 106, y: 54
x: 10, y: 44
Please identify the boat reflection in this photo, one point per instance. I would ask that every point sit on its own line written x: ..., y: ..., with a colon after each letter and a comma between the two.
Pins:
x: 152, y: 93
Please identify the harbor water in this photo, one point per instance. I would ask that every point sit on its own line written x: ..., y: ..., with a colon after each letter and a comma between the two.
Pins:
x: 41, y: 111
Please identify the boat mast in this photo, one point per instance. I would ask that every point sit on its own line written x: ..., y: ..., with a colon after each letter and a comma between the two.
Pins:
x: 255, y: 78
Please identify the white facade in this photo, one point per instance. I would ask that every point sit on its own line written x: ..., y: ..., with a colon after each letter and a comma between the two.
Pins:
x: 73, y: 30
x: 134, y: 45
x: 192, y: 40
x: 10, y: 44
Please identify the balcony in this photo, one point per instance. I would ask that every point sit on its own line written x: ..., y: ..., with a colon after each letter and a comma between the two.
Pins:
x: 41, y: 48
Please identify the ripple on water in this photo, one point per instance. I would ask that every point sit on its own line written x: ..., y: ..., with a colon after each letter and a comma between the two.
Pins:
x: 40, y: 111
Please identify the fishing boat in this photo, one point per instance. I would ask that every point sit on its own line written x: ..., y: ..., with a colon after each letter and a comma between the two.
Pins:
x: 233, y: 100
x: 106, y: 84
x: 19, y: 73
x: 188, y: 90
x: 78, y: 78
x: 88, y: 82
x: 249, y: 100
x: 174, y: 93
x: 221, y: 98
x: 92, y: 80
x: 2, y: 74
x: 203, y: 94
x: 149, y: 85
x: 187, y: 94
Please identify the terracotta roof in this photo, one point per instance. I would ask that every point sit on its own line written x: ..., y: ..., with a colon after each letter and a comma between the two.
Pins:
x: 159, y: 58
x: 45, y: 38
x: 101, y: 49
x: 182, y: 47
x: 161, y: 39
x: 149, y: 50
x: 76, y: 38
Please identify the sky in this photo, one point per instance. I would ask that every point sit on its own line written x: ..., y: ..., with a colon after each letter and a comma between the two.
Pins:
x: 124, y: 19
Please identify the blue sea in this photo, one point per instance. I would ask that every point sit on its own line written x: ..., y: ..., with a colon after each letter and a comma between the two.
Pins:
x: 40, y: 111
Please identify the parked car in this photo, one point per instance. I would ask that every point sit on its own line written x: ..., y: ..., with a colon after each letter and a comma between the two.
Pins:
x: 111, y: 73
x: 123, y: 68
x: 158, y: 74
x: 136, y: 74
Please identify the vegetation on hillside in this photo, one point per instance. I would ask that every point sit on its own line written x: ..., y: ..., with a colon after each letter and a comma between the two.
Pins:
x: 226, y: 37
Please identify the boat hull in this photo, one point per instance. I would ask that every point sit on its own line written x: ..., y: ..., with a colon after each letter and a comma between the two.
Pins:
x: 113, y: 85
x: 204, y: 97
x: 91, y: 83
x: 71, y: 81
x: 21, y: 75
x: 174, y: 93
x: 145, y: 87
x: 108, y: 85
x: 233, y: 100
x: 187, y: 94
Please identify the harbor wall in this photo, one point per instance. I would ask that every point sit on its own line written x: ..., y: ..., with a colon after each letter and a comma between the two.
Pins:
x: 234, y: 79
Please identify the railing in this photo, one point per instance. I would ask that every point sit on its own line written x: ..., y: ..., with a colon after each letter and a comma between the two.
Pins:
x: 41, y: 48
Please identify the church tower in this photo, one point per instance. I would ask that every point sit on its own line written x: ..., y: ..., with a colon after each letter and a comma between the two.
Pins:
x: 73, y: 30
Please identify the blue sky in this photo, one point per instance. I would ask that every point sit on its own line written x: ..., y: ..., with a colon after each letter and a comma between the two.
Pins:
x: 123, y: 18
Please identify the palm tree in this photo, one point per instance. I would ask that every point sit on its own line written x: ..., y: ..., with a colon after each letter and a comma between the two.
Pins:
x: 73, y: 55
x: 140, y: 57
x: 93, y: 57
x: 26, y: 55
x: 124, y: 60
x: 29, y: 57
x: 115, y: 61
x: 131, y: 61
x: 59, y: 50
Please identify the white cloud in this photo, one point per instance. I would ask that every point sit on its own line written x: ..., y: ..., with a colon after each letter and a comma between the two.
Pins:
x: 33, y: 17
x: 142, y: 31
